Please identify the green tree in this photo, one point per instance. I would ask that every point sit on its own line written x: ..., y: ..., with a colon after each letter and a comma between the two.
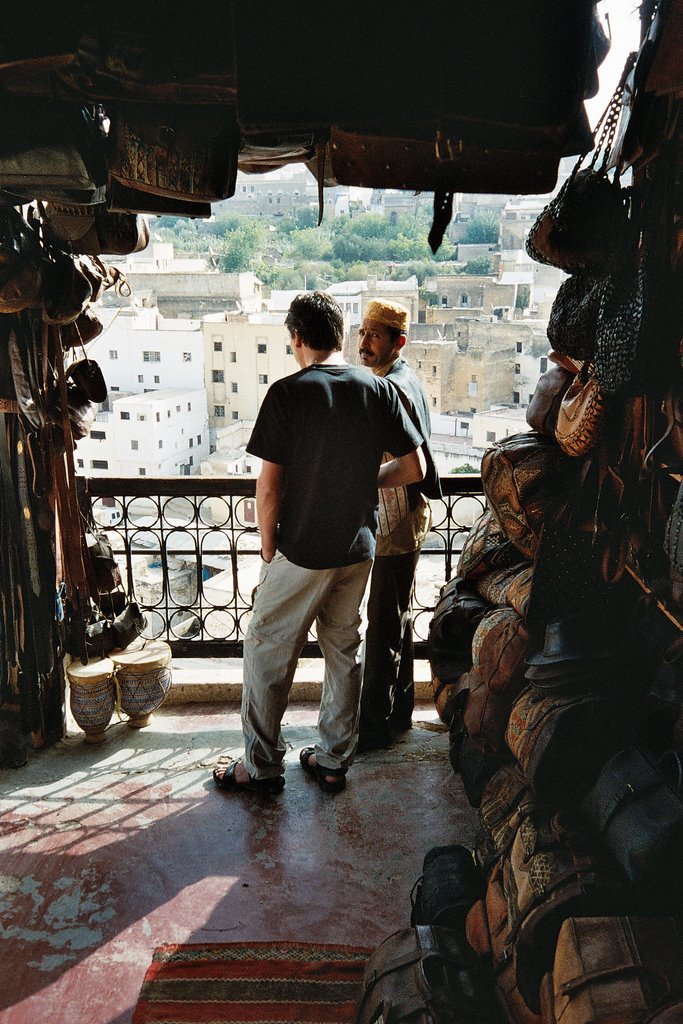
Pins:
x: 523, y: 296
x: 480, y: 267
x: 483, y: 229
x: 467, y: 468
x: 242, y: 248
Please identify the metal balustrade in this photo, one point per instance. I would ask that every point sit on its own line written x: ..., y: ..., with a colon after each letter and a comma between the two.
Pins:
x: 189, y: 553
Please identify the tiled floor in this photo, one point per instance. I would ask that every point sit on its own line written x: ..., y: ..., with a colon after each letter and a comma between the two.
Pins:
x: 109, y: 851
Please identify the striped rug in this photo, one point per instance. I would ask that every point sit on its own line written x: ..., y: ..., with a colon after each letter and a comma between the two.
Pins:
x: 251, y: 983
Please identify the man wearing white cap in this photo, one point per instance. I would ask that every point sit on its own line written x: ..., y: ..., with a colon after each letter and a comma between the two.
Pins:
x: 388, y: 693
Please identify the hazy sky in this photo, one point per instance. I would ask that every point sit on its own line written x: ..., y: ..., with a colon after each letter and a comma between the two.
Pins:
x: 625, y: 33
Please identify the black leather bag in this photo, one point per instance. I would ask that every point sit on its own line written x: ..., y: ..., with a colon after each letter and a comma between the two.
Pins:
x: 639, y: 816
x: 451, y: 882
x: 456, y: 617
x: 425, y: 975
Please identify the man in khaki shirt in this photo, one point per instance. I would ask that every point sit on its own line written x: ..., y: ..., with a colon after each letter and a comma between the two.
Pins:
x: 404, y: 520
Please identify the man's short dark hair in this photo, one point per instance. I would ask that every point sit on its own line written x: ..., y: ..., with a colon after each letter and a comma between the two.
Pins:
x: 318, y: 319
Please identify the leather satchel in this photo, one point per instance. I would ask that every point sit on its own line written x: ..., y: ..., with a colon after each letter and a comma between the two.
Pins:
x: 485, y: 549
x: 525, y: 477
x: 580, y: 415
x: 499, y: 649
x: 638, y: 814
x: 554, y: 870
x: 613, y: 969
x: 425, y: 975
x: 561, y: 741
x: 94, y: 230
x: 485, y: 715
x: 455, y: 619
x: 507, y: 799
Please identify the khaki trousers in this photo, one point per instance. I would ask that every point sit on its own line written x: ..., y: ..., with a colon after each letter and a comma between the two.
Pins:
x: 288, y: 600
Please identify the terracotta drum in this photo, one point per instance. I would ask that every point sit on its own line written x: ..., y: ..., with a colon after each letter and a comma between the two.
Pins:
x: 143, y: 674
x: 92, y: 696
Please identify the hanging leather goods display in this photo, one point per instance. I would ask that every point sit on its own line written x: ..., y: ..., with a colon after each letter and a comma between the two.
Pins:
x: 585, y: 228
x: 580, y: 416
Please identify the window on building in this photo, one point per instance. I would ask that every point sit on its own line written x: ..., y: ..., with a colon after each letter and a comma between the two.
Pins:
x: 355, y: 307
x: 134, y: 446
x: 515, y: 397
x: 263, y: 378
x: 518, y: 368
x: 217, y: 376
x: 434, y: 371
x: 444, y: 300
x: 99, y: 464
x: 168, y: 414
x: 141, y: 417
x: 141, y: 379
x: 490, y: 436
x: 199, y: 438
x: 261, y: 348
x: 177, y: 408
x: 419, y: 364
x: 518, y: 346
x: 464, y: 299
x: 98, y: 435
x: 151, y: 357
x: 219, y: 411
x: 235, y: 415
x: 232, y: 357
x: 218, y: 346
x: 543, y: 364
x: 187, y: 357
x: 233, y: 388
x: 191, y: 460
x: 472, y: 389
x: 142, y: 471
x: 189, y: 406
x: 124, y: 415
x: 114, y: 387
x: 113, y: 354
x: 191, y: 440
x: 158, y: 416
x: 433, y: 401
x: 161, y: 444
x: 80, y: 463
x: 157, y: 380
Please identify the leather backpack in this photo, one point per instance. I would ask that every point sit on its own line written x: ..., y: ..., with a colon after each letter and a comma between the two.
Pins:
x: 486, y: 548
x: 425, y: 975
x: 506, y: 800
x: 450, y: 883
x: 456, y: 616
x: 613, y: 969
x: 485, y: 715
x: 499, y: 647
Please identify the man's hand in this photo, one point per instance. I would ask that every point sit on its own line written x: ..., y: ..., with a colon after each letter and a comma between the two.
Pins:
x: 268, y: 494
x: 408, y: 469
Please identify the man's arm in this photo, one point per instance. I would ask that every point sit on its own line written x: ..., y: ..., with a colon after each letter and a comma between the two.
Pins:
x: 408, y: 469
x: 268, y: 495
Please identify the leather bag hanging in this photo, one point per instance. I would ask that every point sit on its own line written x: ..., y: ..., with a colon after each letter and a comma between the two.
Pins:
x: 613, y: 969
x: 573, y: 315
x: 425, y: 975
x: 179, y: 152
x: 541, y: 413
x: 94, y: 230
x: 581, y: 414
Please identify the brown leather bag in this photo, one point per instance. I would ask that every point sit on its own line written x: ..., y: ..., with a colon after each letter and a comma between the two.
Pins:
x: 499, y: 647
x: 581, y: 415
x: 554, y: 870
x: 506, y: 800
x: 613, y: 969
x: 485, y: 715
x: 525, y: 478
x: 485, y: 549
x: 425, y: 975
x: 562, y: 740
x: 542, y: 410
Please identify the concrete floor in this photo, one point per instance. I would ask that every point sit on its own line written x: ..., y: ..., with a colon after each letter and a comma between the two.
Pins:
x: 108, y: 851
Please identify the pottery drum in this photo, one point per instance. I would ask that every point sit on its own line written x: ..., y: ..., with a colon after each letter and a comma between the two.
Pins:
x: 92, y: 696
x: 144, y: 679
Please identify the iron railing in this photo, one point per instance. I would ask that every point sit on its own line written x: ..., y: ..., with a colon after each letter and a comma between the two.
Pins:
x: 188, y: 549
